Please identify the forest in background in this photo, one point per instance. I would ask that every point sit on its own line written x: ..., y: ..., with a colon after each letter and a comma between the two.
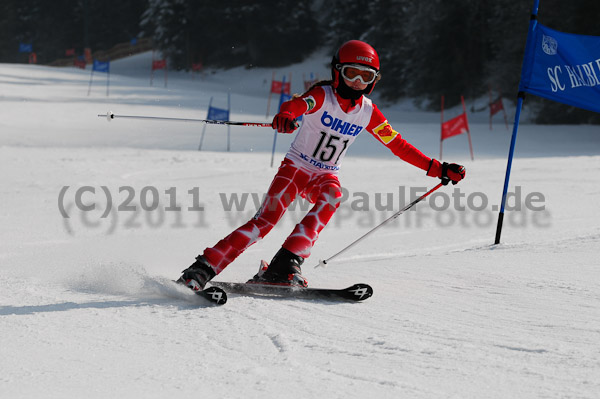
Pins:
x: 426, y: 47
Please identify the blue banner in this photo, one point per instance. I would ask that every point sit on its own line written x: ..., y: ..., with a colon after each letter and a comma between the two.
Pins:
x: 101, y: 66
x: 218, y: 114
x: 286, y: 97
x: 25, y: 48
x: 563, y: 67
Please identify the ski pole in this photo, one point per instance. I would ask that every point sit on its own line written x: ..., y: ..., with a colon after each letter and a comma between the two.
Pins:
x: 110, y: 116
x: 323, y: 263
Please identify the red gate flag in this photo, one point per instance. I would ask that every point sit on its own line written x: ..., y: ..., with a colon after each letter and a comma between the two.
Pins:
x: 496, y: 106
x: 87, y: 53
x: 310, y: 82
x: 279, y: 87
x: 79, y: 62
x: 455, y: 126
x: 70, y: 52
x: 159, y: 64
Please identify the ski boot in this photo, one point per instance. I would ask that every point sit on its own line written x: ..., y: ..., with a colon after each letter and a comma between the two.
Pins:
x: 283, y: 270
x: 197, y: 275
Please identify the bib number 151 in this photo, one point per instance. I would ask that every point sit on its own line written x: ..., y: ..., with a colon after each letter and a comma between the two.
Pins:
x: 328, y: 146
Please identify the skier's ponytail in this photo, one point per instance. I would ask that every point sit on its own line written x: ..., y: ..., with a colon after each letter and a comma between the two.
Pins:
x: 317, y: 84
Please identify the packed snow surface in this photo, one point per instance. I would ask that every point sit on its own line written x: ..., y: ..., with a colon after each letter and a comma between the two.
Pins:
x: 88, y: 308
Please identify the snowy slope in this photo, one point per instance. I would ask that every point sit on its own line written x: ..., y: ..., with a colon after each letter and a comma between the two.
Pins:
x: 86, y: 303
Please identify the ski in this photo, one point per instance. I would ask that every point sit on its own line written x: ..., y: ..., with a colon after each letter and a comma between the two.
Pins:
x: 213, y: 294
x: 356, y: 292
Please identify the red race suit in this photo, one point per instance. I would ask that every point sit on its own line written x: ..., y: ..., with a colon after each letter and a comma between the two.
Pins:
x: 330, y: 125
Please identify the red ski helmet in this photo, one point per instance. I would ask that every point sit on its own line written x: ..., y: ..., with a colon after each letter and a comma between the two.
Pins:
x: 354, y: 52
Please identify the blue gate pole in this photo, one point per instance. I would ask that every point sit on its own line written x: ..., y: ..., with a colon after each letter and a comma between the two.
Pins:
x: 107, y: 77
x: 513, y: 140
x: 274, y: 145
x: 91, y: 78
x: 275, y: 136
x: 228, y: 118
x: 204, y: 127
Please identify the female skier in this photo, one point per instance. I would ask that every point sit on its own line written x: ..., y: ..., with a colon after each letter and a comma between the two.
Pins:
x: 335, y: 113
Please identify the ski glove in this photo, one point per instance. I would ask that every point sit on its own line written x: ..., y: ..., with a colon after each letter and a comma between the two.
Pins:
x: 446, y: 171
x: 284, y: 122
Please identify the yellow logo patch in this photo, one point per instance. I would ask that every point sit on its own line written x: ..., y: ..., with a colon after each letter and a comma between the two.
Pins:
x: 310, y: 101
x: 385, y: 132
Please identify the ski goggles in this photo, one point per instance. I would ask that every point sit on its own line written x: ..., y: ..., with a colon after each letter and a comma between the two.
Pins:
x: 353, y: 72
